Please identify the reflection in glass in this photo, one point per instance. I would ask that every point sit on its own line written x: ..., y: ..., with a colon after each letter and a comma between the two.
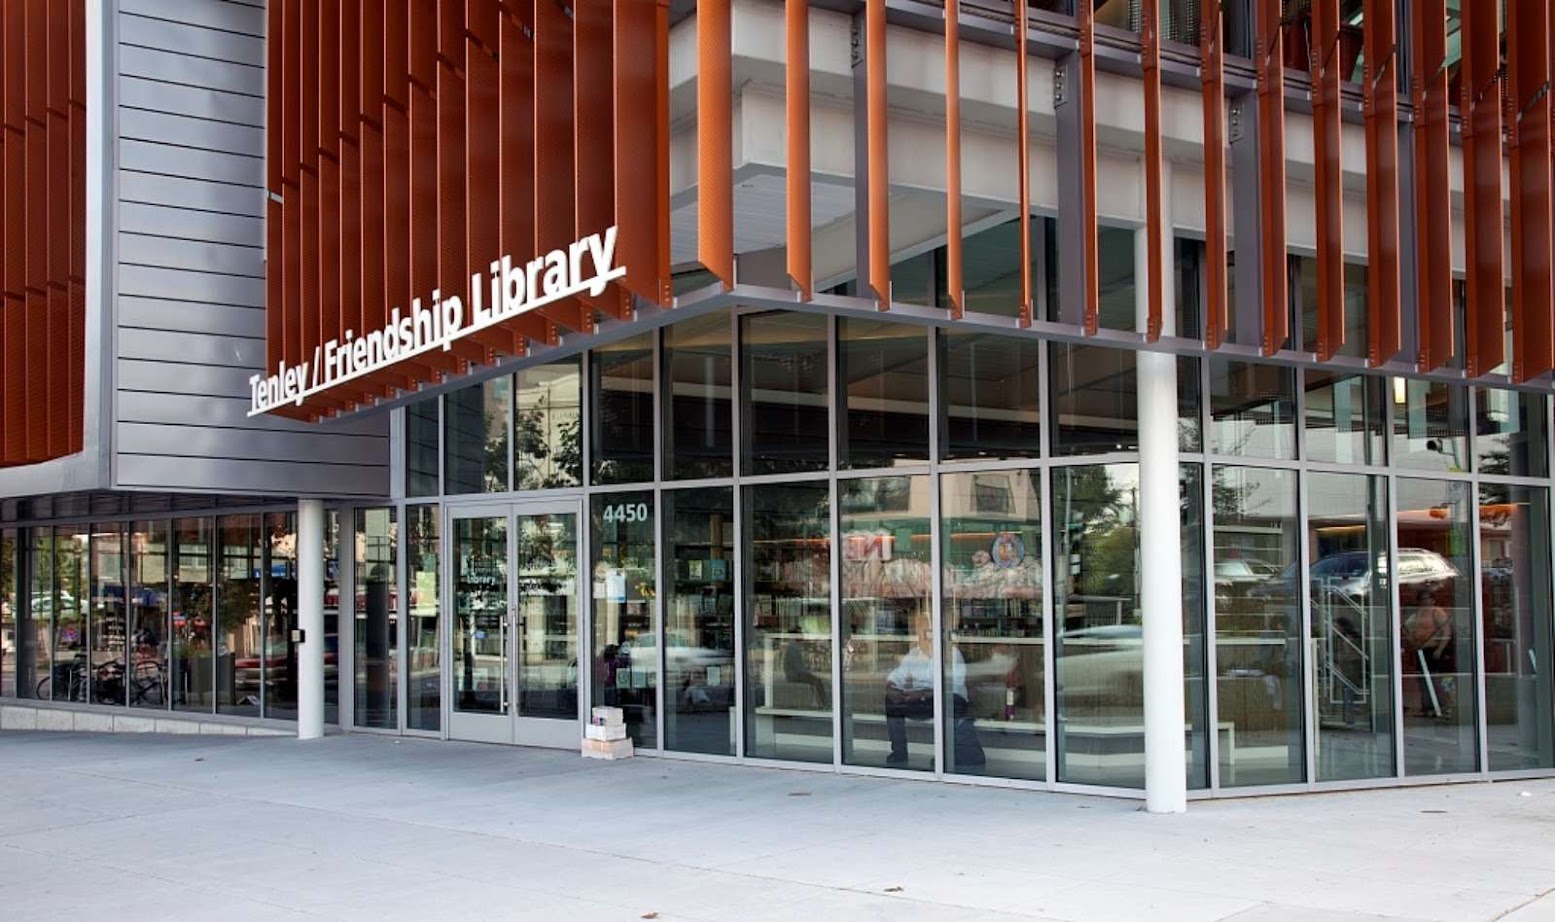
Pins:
x: 884, y: 369
x: 1095, y: 396
x: 992, y: 606
x: 788, y: 645
x: 1188, y: 278
x: 547, y: 587
x: 621, y: 446
x: 1117, y: 303
x: 1430, y: 425
x: 699, y: 651
x: 280, y: 656
x: 107, y: 630
x: 626, y: 651
x: 1258, y: 625
x: 239, y: 622
x: 72, y: 588
x: 480, y: 647
x: 423, y: 695
x: 887, y: 624
x: 376, y: 621
x: 1511, y: 435
x: 1437, y: 616
x: 784, y: 393
x: 991, y: 267
x: 698, y: 426
x: 1304, y: 299
x: 548, y: 426
x: 36, y: 642
x: 147, y: 684
x: 1345, y: 417
x: 1252, y: 409
x: 1514, y: 542
x: 10, y: 614
x: 192, y: 676
x: 989, y: 393
x: 332, y: 546
x: 421, y: 441
x: 1352, y: 625
x: 475, y: 437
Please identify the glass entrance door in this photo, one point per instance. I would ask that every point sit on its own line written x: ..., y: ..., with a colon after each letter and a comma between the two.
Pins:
x: 515, y: 598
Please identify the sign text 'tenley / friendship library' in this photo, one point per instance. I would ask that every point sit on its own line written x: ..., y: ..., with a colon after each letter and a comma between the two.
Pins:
x: 515, y: 288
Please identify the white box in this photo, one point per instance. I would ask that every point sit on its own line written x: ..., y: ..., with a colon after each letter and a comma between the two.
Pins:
x: 607, y: 734
x: 607, y: 749
x: 608, y: 717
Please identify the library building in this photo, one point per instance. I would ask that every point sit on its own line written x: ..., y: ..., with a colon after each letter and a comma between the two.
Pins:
x: 1145, y: 398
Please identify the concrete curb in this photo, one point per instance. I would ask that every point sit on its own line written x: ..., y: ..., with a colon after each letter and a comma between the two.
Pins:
x: 19, y: 716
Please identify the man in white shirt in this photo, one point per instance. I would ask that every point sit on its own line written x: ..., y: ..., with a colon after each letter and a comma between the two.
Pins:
x: 910, y: 687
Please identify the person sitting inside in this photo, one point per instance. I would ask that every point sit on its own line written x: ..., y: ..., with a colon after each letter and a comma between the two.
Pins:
x: 910, y: 694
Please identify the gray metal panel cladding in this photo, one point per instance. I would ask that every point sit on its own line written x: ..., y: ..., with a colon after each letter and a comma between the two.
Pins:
x: 190, y: 251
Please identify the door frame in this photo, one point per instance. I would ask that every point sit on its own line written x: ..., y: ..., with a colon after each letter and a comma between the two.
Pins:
x: 510, y: 726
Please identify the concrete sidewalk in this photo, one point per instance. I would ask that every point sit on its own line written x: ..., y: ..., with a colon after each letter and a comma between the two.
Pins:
x: 358, y: 827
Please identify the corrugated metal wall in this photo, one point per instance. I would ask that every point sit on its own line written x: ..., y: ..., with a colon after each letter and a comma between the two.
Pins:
x: 191, y: 275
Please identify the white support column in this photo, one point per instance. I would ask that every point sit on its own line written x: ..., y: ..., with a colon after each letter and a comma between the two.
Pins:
x: 310, y: 619
x: 1160, y: 548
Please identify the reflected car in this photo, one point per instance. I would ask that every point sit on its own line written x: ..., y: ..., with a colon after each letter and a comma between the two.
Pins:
x: 1350, y: 574
x: 679, y: 654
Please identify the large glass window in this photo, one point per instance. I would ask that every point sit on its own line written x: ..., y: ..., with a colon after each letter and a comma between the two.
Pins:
x: 376, y: 621
x: 36, y: 642
x: 10, y: 638
x: 239, y: 622
x: 149, y: 625
x: 1514, y: 543
x: 332, y: 550
x: 1436, y: 599
x: 1095, y: 395
x: 423, y: 690
x: 280, y: 656
x: 1352, y: 624
x: 884, y: 369
x: 548, y: 426
x: 475, y: 437
x: 698, y: 425
x: 1117, y: 302
x: 788, y: 612
x: 1258, y: 625
x: 991, y: 540
x: 1252, y: 409
x: 73, y: 586
x: 989, y: 395
x: 889, y: 655
x: 699, y: 650
x: 192, y: 676
x: 480, y: 597
x: 1512, y: 433
x: 107, y: 630
x: 1345, y: 418
x: 990, y: 268
x: 1304, y: 297
x: 785, y: 405
x: 1430, y: 426
x: 626, y: 649
x: 622, y: 424
x: 421, y: 441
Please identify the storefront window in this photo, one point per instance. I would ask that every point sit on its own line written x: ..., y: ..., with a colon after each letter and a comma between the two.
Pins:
x: 192, y: 676
x: 989, y: 395
x: 423, y: 706
x: 626, y: 649
x: 548, y: 426
x: 332, y: 551
x: 1514, y: 542
x: 1436, y: 600
x: 1095, y: 395
x: 480, y: 597
x: 1258, y: 625
x: 1352, y: 625
x: 889, y: 652
x: 788, y: 631
x: 1430, y: 426
x: 147, y: 683
x: 622, y: 428
x: 73, y: 586
x: 376, y: 621
x: 784, y: 400
x: 991, y: 546
x: 239, y: 624
x: 421, y: 442
x: 10, y: 637
x: 699, y: 650
x: 1252, y: 410
x: 107, y: 631
x: 476, y: 421
x: 698, y: 425
x: 1512, y: 433
x: 884, y: 369
x: 280, y: 656
x: 1345, y: 421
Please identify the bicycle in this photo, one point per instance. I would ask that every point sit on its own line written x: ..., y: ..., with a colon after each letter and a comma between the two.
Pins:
x: 70, y: 676
x: 148, y: 685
